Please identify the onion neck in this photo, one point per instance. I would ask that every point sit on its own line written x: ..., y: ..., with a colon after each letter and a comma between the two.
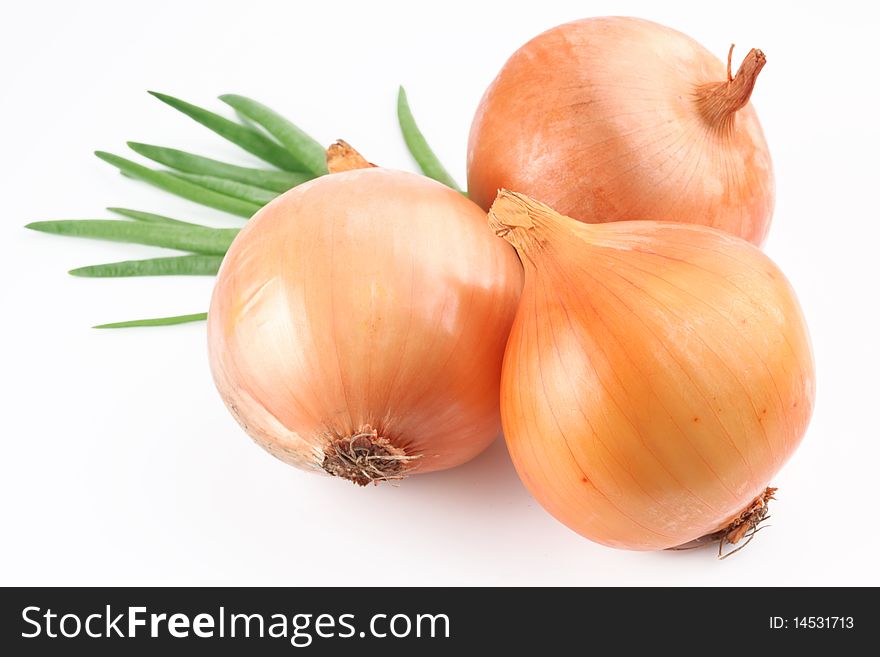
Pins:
x: 522, y: 221
x: 342, y: 157
x: 719, y: 102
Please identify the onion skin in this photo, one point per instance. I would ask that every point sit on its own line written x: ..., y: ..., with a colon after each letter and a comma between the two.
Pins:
x: 366, y: 300
x: 611, y: 119
x: 656, y: 377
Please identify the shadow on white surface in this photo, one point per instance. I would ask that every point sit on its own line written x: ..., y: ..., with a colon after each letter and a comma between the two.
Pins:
x: 492, y: 470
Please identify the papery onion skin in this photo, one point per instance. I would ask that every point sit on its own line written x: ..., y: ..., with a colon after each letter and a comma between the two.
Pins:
x: 656, y: 377
x: 605, y: 119
x: 366, y: 301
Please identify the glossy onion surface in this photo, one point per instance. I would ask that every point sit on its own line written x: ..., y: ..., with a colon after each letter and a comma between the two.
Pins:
x: 366, y: 302
x: 610, y: 119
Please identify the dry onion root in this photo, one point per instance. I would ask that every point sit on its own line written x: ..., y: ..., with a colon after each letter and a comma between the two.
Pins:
x: 656, y: 377
x: 611, y: 119
x: 358, y: 323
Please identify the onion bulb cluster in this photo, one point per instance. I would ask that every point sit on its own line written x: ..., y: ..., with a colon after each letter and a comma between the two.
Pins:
x: 656, y: 377
x: 358, y: 323
x: 611, y: 119
x: 657, y: 371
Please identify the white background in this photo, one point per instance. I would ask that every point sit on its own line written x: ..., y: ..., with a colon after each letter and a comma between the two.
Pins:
x: 120, y: 465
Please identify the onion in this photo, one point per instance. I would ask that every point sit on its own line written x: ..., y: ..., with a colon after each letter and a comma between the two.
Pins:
x: 611, y: 119
x: 358, y: 323
x: 656, y: 377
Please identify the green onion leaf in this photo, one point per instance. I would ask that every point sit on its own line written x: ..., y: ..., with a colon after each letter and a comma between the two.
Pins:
x: 158, y: 321
x: 238, y: 190
x: 170, y: 183
x: 197, y: 239
x: 418, y: 146
x: 188, y: 265
x: 309, y: 153
x: 277, y: 181
x: 149, y: 217
x: 247, y: 138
